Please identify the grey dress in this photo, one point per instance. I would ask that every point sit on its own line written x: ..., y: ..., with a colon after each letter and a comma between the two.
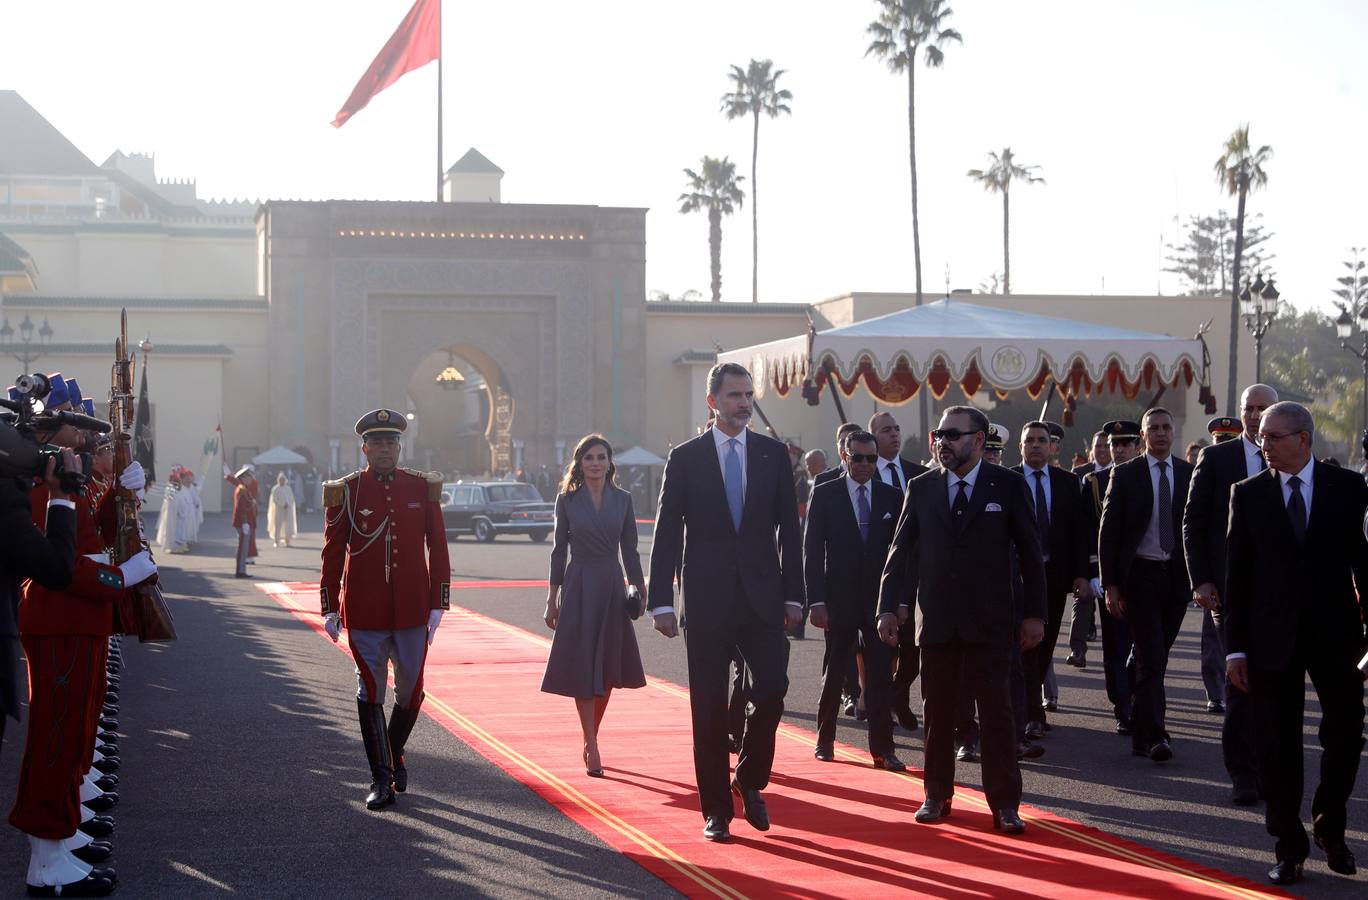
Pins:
x: 594, y: 647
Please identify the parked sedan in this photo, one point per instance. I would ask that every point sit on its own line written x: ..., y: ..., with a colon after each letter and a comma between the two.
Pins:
x: 489, y: 509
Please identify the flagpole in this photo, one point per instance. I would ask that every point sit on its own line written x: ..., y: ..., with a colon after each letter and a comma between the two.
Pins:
x: 439, y: 101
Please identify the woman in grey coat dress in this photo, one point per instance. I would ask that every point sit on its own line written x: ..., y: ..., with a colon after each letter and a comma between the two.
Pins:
x: 594, y: 648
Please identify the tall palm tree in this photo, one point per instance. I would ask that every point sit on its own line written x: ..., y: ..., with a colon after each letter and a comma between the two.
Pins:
x: 998, y: 178
x: 718, y: 190
x: 755, y: 92
x: 1239, y: 170
x: 902, y: 28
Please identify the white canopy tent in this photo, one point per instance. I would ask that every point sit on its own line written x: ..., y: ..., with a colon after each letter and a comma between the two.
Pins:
x: 279, y: 456
x: 637, y: 456
x: 954, y: 342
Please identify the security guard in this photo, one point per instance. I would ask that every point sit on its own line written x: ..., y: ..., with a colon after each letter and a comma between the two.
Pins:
x: 378, y: 523
x: 1224, y: 428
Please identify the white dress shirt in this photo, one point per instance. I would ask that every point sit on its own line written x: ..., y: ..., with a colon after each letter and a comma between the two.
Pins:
x: 888, y: 477
x: 1254, y: 461
x: 952, y: 483
x: 1149, y: 543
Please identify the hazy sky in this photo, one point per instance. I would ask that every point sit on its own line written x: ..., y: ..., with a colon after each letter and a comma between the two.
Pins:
x: 1125, y: 106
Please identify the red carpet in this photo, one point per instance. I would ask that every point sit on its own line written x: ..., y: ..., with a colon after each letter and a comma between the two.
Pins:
x: 842, y: 830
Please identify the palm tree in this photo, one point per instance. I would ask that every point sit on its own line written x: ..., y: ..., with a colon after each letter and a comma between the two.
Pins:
x: 718, y: 190
x: 997, y: 178
x: 1239, y: 171
x: 902, y: 28
x: 755, y: 93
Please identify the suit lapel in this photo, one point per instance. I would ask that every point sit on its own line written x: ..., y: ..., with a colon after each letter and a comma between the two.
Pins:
x: 1270, y: 486
x: 756, y: 458
x: 978, y: 499
x: 942, y: 501
x: 1320, y: 500
x: 846, y: 519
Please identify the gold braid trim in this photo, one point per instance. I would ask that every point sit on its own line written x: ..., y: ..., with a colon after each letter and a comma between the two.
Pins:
x: 335, y: 491
x: 434, y: 482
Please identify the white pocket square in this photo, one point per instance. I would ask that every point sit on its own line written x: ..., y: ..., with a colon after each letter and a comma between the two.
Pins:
x: 992, y: 507
x: 888, y: 515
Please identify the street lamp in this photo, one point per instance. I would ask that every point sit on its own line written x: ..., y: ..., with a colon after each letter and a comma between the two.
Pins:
x: 1260, y: 303
x: 1344, y: 329
x: 26, y: 354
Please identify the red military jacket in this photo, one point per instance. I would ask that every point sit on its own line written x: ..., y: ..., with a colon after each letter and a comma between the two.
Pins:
x: 385, y: 563
x: 244, y: 507
x: 86, y: 607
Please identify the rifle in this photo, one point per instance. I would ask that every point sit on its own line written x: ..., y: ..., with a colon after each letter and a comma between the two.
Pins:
x: 145, y: 612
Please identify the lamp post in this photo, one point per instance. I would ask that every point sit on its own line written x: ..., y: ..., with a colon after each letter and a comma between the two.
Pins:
x: 1344, y: 328
x: 1260, y: 304
x: 26, y: 354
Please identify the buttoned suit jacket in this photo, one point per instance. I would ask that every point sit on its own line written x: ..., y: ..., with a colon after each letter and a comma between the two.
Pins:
x: 840, y: 569
x: 1068, y: 536
x: 694, y: 529
x: 1280, y: 594
x: 959, y: 580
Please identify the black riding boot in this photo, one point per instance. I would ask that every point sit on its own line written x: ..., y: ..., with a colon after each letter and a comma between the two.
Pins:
x: 400, y: 725
x: 377, y: 754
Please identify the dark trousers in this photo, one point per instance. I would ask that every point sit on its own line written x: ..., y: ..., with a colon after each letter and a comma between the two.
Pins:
x: 1081, y: 623
x: 909, y: 665
x: 1036, y: 661
x: 736, y: 703
x: 1237, y: 729
x: 841, y: 643
x: 1118, y: 673
x: 765, y: 650
x: 1278, y: 703
x: 1156, y: 596
x: 985, y: 668
x: 1213, y: 658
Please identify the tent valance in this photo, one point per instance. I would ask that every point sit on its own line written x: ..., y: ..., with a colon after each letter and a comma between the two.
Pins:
x: 977, y: 347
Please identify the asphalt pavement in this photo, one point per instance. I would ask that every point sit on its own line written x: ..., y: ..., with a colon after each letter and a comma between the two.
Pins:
x: 243, y: 771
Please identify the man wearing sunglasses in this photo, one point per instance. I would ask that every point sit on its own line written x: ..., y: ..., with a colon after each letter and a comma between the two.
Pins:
x: 952, y: 557
x: 1296, y: 552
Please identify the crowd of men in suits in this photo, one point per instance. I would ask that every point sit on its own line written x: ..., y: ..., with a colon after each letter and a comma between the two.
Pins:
x: 962, y: 574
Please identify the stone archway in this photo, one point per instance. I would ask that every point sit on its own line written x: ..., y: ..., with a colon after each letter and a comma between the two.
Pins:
x: 465, y: 428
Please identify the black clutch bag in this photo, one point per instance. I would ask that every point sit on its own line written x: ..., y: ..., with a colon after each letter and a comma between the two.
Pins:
x: 633, y: 602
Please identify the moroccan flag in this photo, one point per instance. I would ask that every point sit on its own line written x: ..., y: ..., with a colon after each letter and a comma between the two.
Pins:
x: 212, y: 452
x: 143, y: 450
x: 416, y: 42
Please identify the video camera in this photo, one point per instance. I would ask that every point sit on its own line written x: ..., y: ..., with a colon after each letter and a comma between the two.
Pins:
x: 22, y: 455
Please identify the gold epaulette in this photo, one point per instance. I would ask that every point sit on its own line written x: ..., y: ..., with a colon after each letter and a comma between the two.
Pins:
x: 434, y: 482
x: 334, y: 491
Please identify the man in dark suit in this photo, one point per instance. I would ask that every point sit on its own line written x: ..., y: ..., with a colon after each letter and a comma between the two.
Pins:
x: 1205, y: 519
x: 895, y: 471
x: 1291, y: 608
x: 849, y: 529
x: 1100, y: 455
x: 1140, y: 555
x: 731, y: 490
x: 1057, y: 510
x: 843, y: 431
x: 960, y: 530
x: 851, y: 696
x: 1123, y: 444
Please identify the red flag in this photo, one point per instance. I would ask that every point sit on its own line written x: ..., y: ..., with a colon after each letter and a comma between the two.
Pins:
x: 415, y: 43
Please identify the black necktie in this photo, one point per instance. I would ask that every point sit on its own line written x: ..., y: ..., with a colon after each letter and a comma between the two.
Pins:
x: 862, y: 501
x: 961, y: 504
x: 1263, y: 463
x: 892, y: 469
x: 1042, y: 512
x: 1165, y: 509
x: 1296, y: 509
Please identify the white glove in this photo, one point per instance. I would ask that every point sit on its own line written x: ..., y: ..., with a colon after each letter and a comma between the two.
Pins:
x: 434, y: 619
x: 246, y: 529
x: 133, y: 478
x: 1097, y: 588
x: 137, y: 568
x: 332, y: 625
x: 227, y: 472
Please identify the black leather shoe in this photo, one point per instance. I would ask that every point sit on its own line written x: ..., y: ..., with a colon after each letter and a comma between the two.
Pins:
x: 715, y: 829
x: 848, y: 706
x: 824, y: 753
x: 860, y: 714
x: 932, y: 811
x: 907, y: 719
x: 107, y: 782
x: 733, y: 746
x: 110, y: 709
x: 1051, y: 705
x: 1161, y: 752
x: 1122, y: 727
x: 757, y: 814
x: 109, y: 724
x: 890, y: 762
x: 1008, y: 822
x: 98, y: 827
x: 966, y: 753
x: 1026, y: 750
x: 1078, y: 660
x: 1035, y: 731
x: 90, y: 886
x: 108, y: 750
x: 107, y: 765
x: 94, y: 852
x: 103, y: 803
x: 1285, y: 872
x: 1337, y: 855
x: 1215, y: 706
x: 1244, y: 791
x: 380, y: 796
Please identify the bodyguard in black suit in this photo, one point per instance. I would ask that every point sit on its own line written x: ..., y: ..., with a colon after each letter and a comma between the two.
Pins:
x: 844, y: 430
x: 1296, y: 552
x: 1205, y: 520
x: 849, y: 529
x: 732, y: 491
x: 1140, y: 555
x: 1058, y: 512
x: 960, y: 530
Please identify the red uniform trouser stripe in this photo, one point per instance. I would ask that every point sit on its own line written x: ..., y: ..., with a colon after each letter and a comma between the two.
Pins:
x: 47, y: 804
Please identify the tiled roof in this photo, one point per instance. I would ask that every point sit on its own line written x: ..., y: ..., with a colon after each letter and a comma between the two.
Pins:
x: 475, y: 161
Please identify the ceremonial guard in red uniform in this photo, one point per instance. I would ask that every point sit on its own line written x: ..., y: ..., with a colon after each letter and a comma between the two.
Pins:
x: 244, y: 516
x: 65, y: 636
x: 386, y: 579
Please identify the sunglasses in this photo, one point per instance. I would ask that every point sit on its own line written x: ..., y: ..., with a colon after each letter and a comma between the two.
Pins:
x: 870, y: 458
x: 950, y: 434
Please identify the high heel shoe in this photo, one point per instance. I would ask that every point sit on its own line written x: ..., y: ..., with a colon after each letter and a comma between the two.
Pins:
x: 592, y: 772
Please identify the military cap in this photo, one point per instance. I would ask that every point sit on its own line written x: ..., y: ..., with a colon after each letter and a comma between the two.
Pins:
x: 1223, y: 426
x: 1056, y: 431
x: 996, y: 439
x: 59, y: 395
x: 381, y: 421
x: 1122, y: 428
x: 88, y: 407
x: 248, y: 469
